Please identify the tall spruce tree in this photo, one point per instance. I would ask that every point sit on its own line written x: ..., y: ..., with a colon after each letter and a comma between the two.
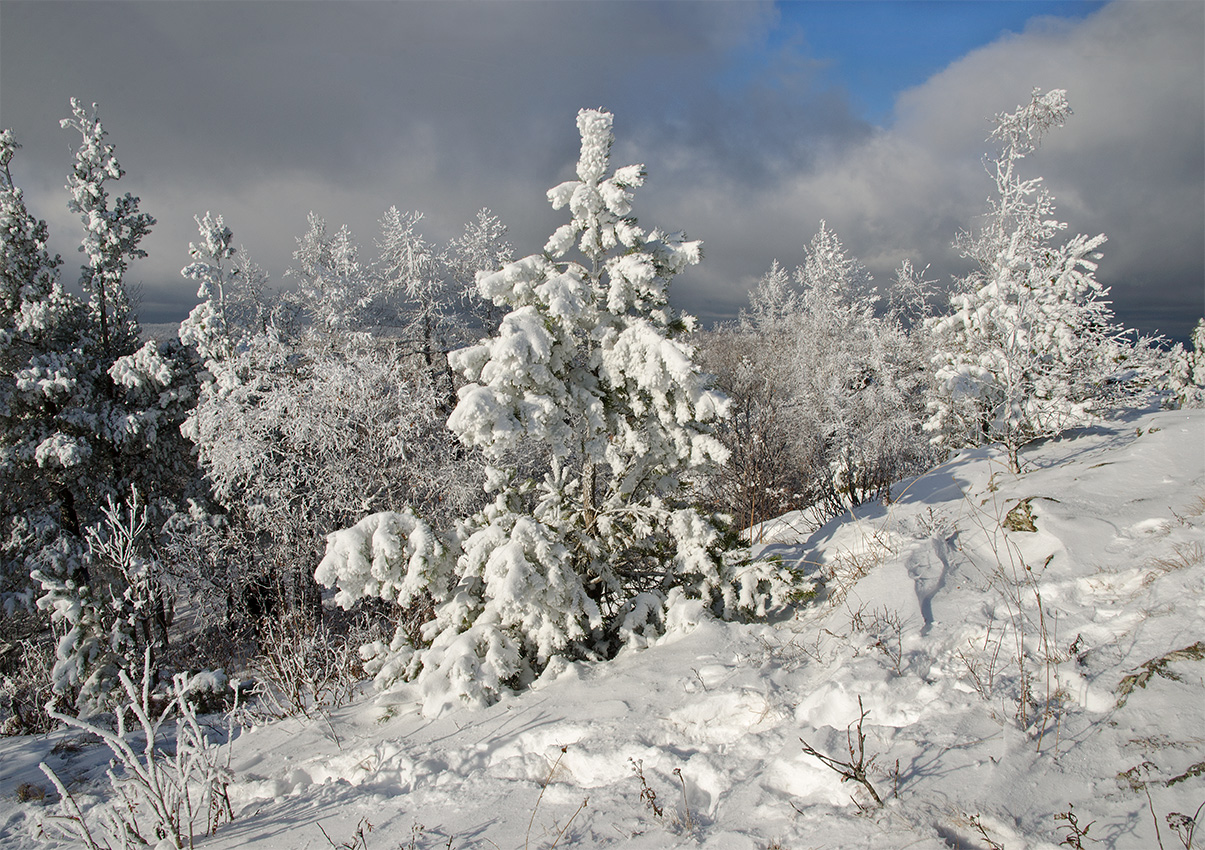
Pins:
x: 593, y: 418
x: 40, y: 364
x: 88, y: 414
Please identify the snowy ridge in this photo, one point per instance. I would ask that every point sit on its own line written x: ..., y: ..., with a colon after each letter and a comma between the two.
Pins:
x: 1020, y: 644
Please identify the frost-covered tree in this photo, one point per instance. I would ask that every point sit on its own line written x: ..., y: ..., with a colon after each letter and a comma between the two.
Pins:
x: 40, y: 327
x: 136, y: 393
x: 769, y: 447
x: 303, y: 426
x: 589, y: 366
x: 428, y: 298
x: 211, y: 554
x: 827, y: 391
x: 588, y: 362
x: 1030, y: 341
x: 856, y: 380
x: 86, y: 411
x: 415, y: 292
x: 481, y: 247
x: 333, y: 289
x: 232, y: 305
x: 409, y: 279
x: 912, y: 297
x: 593, y: 418
x: 299, y: 438
x: 111, y: 234
x: 29, y: 283
x: 1187, y: 373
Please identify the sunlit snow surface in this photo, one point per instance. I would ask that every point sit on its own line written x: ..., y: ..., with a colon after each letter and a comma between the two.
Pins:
x: 1117, y: 558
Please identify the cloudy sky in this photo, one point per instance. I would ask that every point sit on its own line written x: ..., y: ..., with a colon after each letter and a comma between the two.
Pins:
x: 755, y: 121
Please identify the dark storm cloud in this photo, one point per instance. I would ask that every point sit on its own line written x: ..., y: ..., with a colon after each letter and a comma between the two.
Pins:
x: 264, y: 111
x: 228, y: 90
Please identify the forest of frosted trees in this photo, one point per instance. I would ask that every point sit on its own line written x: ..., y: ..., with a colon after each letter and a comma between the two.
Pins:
x: 446, y: 465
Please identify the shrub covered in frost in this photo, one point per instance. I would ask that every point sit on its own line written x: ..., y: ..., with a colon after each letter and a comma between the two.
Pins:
x: 1029, y: 347
x: 828, y: 392
x: 307, y: 420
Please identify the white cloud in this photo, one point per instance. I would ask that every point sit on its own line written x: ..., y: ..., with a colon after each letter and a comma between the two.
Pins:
x: 1129, y: 163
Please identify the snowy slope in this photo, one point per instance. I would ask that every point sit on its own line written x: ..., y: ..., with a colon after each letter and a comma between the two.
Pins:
x: 1001, y: 714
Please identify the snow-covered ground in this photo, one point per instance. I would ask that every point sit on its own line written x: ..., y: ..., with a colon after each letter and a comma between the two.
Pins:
x: 1071, y: 596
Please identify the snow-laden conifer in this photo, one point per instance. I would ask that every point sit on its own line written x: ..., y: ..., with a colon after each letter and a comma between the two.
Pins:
x: 85, y: 411
x: 40, y: 369
x: 1187, y: 374
x: 111, y: 234
x: 1030, y: 340
x: 593, y: 418
x: 231, y: 307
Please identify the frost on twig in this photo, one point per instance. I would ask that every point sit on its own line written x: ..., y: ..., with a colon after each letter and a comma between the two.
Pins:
x: 157, y: 794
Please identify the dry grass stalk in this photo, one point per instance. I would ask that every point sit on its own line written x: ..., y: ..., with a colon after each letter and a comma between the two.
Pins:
x: 858, y: 766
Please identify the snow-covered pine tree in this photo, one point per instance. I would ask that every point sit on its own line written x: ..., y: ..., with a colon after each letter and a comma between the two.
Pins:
x: 111, y: 236
x: 137, y: 393
x: 1187, y: 373
x: 593, y: 418
x: 1030, y: 339
x: 232, y: 306
x: 589, y: 364
x: 40, y: 365
x: 87, y: 413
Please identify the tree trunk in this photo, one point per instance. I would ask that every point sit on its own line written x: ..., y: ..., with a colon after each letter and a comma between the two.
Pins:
x: 589, y: 508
